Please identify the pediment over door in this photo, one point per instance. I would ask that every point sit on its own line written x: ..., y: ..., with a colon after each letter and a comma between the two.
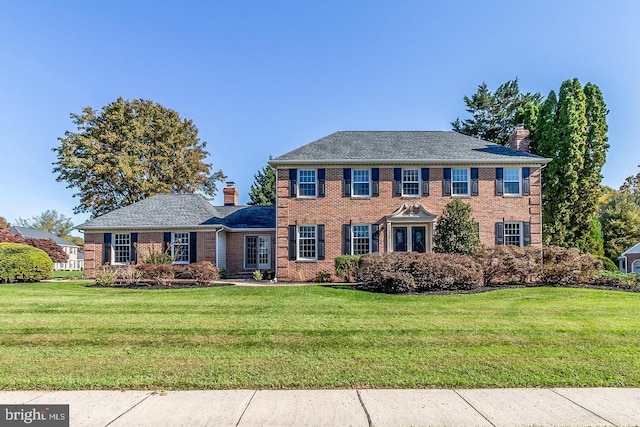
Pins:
x: 411, y: 212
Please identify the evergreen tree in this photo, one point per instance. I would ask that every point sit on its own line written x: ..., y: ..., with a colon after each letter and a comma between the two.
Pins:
x: 263, y: 190
x: 456, y: 230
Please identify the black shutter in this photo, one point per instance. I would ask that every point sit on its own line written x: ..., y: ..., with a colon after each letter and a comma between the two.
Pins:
x: 321, y: 185
x: 397, y: 182
x: 375, y: 238
x: 474, y: 181
x: 321, y: 241
x: 499, y: 182
x: 446, y: 182
x: 526, y: 234
x: 293, y: 182
x: 134, y: 250
x: 346, y: 238
x: 499, y: 233
x: 375, y: 182
x: 167, y: 241
x: 193, y: 247
x: 292, y: 242
x: 106, y: 258
x: 346, y: 182
x: 526, y: 185
x: 425, y: 181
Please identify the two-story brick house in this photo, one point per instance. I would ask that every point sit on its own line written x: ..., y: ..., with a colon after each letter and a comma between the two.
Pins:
x: 346, y: 193
x: 363, y: 192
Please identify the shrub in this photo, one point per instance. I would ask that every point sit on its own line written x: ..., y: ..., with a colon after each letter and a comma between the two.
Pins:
x: 159, y: 274
x: 23, y: 263
x: 566, y: 266
x: 607, y: 263
x: 128, y: 275
x: 617, y: 279
x: 323, y: 276
x: 203, y: 272
x: 346, y: 266
x: 405, y: 272
x: 257, y: 275
x: 508, y: 264
x: 154, y: 256
x: 223, y: 273
x: 106, y: 275
x: 456, y: 230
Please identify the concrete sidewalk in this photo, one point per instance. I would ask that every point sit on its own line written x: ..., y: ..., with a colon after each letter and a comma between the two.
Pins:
x: 428, y: 407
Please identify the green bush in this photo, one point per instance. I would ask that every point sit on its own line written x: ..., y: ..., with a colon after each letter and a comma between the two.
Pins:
x: 617, y: 279
x: 346, y: 266
x: 406, y: 272
x: 608, y: 264
x: 257, y: 275
x: 323, y: 276
x: 23, y: 263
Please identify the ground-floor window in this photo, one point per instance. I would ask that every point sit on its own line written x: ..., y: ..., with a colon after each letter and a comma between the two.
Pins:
x: 307, y: 242
x: 512, y: 233
x: 180, y: 248
x: 121, y: 248
x: 361, y: 239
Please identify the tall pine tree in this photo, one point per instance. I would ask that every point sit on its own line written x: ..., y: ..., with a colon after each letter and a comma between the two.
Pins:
x: 263, y: 189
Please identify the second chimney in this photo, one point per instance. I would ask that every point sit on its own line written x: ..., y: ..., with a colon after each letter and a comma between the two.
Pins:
x: 519, y: 139
x: 230, y: 194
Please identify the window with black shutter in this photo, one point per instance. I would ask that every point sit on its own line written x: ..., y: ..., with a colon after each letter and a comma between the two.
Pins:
x: 446, y: 182
x: 346, y: 182
x: 499, y: 181
x: 293, y: 182
x: 425, y: 181
x: 375, y: 182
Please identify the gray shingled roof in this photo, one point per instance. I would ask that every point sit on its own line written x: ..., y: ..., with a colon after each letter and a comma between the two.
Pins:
x: 183, y: 210
x: 34, y: 233
x: 404, y: 147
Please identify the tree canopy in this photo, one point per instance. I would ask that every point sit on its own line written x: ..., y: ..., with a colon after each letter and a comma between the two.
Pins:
x: 4, y: 223
x: 495, y: 114
x: 131, y: 150
x: 263, y: 189
x: 49, y: 220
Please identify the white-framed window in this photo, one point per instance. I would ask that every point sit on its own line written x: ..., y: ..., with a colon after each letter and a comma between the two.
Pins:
x: 460, y: 182
x: 360, y: 239
x: 257, y: 252
x: 411, y: 182
x: 180, y: 248
x: 513, y: 233
x: 307, y: 183
x: 511, y: 179
x: 307, y: 242
x: 121, y: 248
x: 361, y: 183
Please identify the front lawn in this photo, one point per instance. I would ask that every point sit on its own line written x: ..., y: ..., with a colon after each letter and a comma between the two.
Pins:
x: 69, y: 336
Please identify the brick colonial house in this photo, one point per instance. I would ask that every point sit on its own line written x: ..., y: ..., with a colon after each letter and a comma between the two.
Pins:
x: 346, y: 193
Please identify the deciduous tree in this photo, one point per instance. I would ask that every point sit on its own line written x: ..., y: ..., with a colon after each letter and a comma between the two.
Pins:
x: 49, y: 220
x: 131, y: 150
x: 620, y: 219
x: 3, y: 223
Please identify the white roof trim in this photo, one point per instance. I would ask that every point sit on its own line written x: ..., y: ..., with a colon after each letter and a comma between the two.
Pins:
x: 632, y: 250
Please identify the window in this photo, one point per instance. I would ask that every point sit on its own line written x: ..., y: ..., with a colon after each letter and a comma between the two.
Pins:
x: 307, y: 242
x: 410, y: 182
x: 180, y: 248
x: 511, y: 181
x: 512, y: 234
x: 121, y: 248
x: 257, y: 252
x: 460, y: 182
x: 361, y: 239
x: 307, y: 183
x: 361, y: 183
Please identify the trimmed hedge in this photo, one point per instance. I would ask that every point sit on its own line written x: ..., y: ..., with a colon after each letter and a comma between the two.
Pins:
x: 508, y: 264
x: 566, y: 266
x: 23, y: 263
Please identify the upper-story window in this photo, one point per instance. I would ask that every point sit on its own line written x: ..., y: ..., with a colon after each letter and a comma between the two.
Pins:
x: 307, y: 183
x: 460, y: 182
x: 410, y: 182
x: 361, y: 183
x: 180, y: 248
x: 121, y: 248
x: 512, y: 181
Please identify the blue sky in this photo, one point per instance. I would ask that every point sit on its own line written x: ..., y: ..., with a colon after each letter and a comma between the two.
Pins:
x: 261, y: 78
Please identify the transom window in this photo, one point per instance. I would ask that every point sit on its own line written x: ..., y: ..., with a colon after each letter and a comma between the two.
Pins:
x: 410, y: 182
x: 180, y: 248
x: 361, y: 182
x: 121, y: 248
x: 512, y: 181
x: 460, y: 182
x: 307, y: 183
x: 512, y: 234
x: 307, y: 242
x: 361, y: 239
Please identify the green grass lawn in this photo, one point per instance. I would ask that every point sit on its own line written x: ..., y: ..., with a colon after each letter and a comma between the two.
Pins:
x: 69, y: 336
x: 75, y: 274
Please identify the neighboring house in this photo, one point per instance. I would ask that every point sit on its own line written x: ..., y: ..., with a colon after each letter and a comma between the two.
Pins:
x: 363, y: 192
x: 189, y: 229
x: 629, y: 260
x: 346, y: 193
x: 69, y: 248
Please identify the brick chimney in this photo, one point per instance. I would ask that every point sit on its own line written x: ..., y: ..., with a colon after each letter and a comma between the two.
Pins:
x: 519, y: 139
x: 230, y: 194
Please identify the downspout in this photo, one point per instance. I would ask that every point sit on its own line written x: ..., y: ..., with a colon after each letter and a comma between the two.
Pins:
x: 275, y: 254
x: 217, y: 245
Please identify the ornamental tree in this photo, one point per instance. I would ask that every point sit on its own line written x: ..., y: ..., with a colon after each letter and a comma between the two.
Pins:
x: 131, y: 150
x: 456, y: 230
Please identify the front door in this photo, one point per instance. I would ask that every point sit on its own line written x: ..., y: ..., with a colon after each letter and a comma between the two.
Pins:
x: 410, y: 238
x: 399, y: 239
x: 264, y: 252
x: 418, y: 239
x: 258, y: 252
